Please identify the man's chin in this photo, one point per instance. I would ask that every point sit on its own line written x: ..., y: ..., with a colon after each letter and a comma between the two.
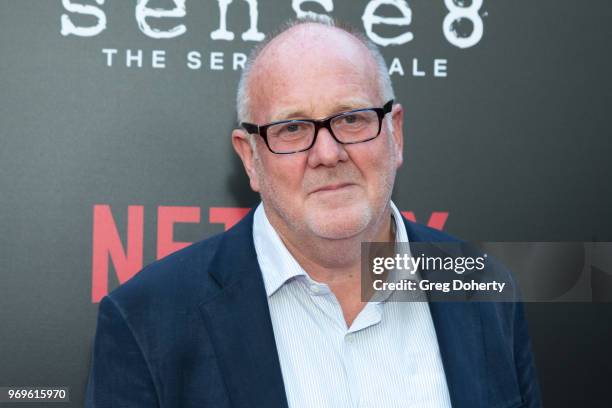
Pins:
x: 339, y: 223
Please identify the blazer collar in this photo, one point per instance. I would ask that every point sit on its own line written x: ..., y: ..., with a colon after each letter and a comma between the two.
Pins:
x: 238, y: 322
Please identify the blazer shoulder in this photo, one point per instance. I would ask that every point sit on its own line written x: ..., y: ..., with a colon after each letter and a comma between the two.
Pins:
x: 187, y: 276
x: 178, y: 277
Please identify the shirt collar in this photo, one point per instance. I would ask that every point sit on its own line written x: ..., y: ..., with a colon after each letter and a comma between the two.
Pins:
x: 277, y: 264
x: 275, y: 261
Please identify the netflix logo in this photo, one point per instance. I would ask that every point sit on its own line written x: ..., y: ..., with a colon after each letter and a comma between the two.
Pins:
x: 127, y: 253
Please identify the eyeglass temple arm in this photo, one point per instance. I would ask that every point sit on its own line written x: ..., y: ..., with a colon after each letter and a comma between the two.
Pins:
x: 250, y: 128
x: 388, y: 106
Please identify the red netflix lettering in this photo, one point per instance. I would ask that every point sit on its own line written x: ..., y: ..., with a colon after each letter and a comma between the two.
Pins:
x: 107, y: 244
x: 437, y: 219
x: 166, y: 218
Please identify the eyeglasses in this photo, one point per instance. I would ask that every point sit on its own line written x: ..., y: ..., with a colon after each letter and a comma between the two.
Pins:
x: 294, y: 136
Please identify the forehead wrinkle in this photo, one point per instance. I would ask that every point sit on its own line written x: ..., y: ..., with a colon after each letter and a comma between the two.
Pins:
x: 342, y: 106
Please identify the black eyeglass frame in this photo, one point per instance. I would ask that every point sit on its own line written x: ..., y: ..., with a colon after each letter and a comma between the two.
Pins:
x: 318, y: 124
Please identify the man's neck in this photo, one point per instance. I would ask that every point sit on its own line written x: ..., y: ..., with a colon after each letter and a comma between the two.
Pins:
x: 337, y: 263
x: 325, y: 258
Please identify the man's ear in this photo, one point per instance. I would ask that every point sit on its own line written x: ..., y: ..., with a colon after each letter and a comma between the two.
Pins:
x: 397, y: 119
x: 242, y: 146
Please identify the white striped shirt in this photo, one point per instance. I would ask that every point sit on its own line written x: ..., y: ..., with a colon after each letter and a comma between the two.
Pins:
x: 388, y: 357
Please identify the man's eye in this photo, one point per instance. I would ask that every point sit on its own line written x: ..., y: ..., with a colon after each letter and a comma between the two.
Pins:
x: 292, y: 127
x: 354, y: 119
x: 351, y: 119
x: 289, y: 130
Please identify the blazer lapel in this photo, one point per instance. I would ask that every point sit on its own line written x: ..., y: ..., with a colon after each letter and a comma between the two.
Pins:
x: 238, y: 321
x: 461, y: 343
x: 460, y: 339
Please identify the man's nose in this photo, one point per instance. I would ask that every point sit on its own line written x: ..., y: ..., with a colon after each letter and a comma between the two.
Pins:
x: 326, y: 151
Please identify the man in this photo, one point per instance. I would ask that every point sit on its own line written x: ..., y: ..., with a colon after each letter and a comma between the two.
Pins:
x: 269, y: 314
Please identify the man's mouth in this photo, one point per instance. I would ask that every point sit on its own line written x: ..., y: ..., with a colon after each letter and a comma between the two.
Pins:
x: 331, y: 187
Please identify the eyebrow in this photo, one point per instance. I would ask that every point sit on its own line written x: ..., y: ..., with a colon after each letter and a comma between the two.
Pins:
x: 291, y: 113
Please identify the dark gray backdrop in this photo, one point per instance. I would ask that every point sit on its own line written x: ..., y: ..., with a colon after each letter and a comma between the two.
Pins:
x: 514, y: 144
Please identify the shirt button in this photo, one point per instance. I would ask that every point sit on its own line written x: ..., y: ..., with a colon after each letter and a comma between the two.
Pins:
x: 314, y: 288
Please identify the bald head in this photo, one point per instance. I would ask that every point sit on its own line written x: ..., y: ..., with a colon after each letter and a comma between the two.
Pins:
x: 304, y: 50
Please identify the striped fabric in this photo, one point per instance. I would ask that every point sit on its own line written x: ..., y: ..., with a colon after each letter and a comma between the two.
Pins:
x: 389, y: 357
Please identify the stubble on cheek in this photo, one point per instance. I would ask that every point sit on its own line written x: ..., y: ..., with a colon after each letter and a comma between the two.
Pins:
x: 277, y: 200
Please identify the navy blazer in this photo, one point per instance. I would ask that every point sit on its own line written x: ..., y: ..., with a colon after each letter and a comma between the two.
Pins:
x: 194, y: 330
